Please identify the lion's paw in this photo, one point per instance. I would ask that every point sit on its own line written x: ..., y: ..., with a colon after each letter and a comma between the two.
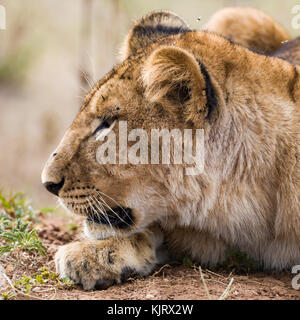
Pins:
x: 97, y: 264
x: 87, y: 265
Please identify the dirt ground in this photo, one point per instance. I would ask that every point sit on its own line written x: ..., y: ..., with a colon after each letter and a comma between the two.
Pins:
x: 166, y: 283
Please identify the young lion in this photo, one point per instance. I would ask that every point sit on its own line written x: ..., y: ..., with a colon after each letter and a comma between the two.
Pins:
x: 248, y: 194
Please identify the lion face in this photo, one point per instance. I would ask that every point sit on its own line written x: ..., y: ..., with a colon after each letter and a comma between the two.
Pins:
x: 161, y: 87
x: 105, y: 193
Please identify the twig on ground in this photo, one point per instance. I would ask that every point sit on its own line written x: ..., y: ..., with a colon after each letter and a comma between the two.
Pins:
x: 227, y: 291
x: 204, y: 283
x: 158, y: 271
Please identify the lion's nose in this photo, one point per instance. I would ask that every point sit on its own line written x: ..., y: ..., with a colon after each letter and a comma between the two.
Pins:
x: 54, y: 187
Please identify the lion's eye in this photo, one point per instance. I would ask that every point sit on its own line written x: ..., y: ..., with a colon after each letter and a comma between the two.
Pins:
x: 104, y: 127
x: 105, y: 124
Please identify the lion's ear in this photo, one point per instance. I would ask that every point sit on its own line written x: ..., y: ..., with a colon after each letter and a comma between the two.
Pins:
x: 150, y: 28
x: 173, y: 77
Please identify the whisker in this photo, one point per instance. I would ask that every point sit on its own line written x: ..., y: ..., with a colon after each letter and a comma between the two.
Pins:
x: 112, y: 210
x: 116, y: 213
x: 103, y: 213
x: 106, y: 216
x: 95, y: 211
x: 90, y: 207
x: 85, y: 76
x: 101, y: 193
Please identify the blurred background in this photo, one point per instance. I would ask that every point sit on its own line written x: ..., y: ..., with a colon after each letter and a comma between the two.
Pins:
x: 53, y: 51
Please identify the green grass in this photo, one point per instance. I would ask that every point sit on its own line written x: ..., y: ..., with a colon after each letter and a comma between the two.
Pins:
x: 17, y: 229
x: 19, y: 234
x: 27, y: 283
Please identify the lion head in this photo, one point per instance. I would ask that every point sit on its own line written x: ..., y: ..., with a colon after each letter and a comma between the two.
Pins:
x: 170, y: 78
x: 158, y: 85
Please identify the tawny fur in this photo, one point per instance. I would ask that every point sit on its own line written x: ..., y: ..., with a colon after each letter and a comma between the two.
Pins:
x: 249, y: 27
x: 290, y: 51
x: 152, y: 27
x: 248, y: 195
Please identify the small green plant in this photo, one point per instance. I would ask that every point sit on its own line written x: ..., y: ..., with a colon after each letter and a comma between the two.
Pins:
x: 21, y: 238
x: 73, y: 227
x: 16, y: 225
x: 65, y: 283
x: 239, y: 261
x: 187, y: 262
x: 44, y: 276
x: 7, y: 295
x: 24, y: 284
x: 47, y: 210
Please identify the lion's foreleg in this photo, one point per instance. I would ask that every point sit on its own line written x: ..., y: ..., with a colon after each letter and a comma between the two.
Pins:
x: 100, y: 263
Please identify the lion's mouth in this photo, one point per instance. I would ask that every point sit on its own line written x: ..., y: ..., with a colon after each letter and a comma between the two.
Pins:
x: 118, y: 217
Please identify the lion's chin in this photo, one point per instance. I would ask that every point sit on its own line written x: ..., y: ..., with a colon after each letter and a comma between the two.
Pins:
x: 96, y: 231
